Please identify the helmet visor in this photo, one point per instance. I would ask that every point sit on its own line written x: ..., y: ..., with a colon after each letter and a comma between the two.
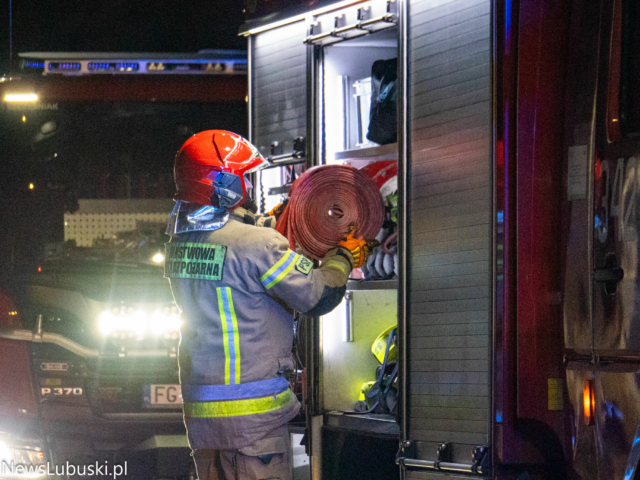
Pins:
x: 229, y: 188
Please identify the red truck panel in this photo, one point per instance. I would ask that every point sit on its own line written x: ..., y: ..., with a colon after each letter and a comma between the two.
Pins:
x: 17, y: 395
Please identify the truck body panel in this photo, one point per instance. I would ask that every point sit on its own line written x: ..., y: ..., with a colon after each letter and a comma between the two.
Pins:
x: 449, y: 221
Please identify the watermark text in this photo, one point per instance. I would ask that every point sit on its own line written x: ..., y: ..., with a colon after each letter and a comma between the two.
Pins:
x: 104, y: 469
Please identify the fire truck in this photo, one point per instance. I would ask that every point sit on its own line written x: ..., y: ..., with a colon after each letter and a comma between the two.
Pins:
x: 516, y: 128
x: 88, y: 325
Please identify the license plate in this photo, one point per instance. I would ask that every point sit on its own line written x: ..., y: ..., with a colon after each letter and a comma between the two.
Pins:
x: 162, y: 395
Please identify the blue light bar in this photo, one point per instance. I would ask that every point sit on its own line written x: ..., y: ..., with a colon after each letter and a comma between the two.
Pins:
x: 127, y: 67
x: 113, y: 67
x: 66, y: 66
x: 240, y: 67
x: 34, y: 64
x: 127, y: 64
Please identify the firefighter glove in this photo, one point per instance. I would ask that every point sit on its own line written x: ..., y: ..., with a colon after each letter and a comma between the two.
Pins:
x: 278, y: 209
x: 360, y: 249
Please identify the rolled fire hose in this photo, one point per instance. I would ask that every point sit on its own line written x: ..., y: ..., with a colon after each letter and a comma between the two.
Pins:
x: 328, y: 202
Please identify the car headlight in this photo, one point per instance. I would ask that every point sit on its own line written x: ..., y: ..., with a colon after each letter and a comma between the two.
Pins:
x: 28, y: 457
x: 125, y: 322
x: 6, y: 453
x: 25, y: 451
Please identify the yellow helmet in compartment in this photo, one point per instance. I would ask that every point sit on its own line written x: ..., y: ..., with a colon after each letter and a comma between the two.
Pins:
x: 379, y: 346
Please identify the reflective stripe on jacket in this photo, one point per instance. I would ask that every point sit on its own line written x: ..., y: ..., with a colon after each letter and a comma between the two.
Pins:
x: 236, y: 287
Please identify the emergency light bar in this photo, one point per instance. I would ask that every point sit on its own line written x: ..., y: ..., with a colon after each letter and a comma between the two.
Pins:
x: 148, y: 67
x: 212, y: 62
x: 63, y: 67
x: 112, y: 67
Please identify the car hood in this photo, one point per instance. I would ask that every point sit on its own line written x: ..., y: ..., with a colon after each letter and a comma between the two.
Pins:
x: 110, y: 282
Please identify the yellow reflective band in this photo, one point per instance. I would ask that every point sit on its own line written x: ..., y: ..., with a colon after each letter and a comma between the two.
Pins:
x: 276, y: 266
x: 225, y: 338
x: 284, y: 273
x: 337, y: 264
x: 236, y: 335
x: 235, y: 408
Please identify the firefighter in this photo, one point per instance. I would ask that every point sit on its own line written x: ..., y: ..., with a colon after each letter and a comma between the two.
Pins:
x: 236, y: 284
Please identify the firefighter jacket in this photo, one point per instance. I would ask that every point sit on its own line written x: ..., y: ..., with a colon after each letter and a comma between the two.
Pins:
x: 236, y: 288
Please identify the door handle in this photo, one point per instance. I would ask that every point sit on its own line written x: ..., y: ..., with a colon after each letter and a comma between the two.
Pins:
x: 608, y: 274
x: 611, y: 274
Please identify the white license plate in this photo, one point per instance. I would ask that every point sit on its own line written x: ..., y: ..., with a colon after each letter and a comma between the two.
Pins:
x: 162, y: 395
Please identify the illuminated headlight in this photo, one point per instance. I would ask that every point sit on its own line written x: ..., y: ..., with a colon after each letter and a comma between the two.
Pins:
x: 163, y: 322
x: 158, y: 258
x: 21, y: 97
x: 124, y: 323
x: 6, y: 453
x: 29, y: 457
x: 24, y: 451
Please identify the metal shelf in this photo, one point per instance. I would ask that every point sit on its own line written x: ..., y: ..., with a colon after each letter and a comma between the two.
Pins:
x: 376, y: 423
x: 382, y: 152
x: 372, y: 284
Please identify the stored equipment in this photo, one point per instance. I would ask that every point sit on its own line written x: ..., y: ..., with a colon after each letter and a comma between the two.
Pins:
x: 380, y: 396
x: 383, y: 125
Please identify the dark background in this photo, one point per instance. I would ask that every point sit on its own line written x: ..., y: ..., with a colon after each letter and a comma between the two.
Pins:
x: 119, y: 25
x: 100, y: 26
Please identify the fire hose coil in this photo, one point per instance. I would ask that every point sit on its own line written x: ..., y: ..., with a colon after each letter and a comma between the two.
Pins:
x: 328, y: 202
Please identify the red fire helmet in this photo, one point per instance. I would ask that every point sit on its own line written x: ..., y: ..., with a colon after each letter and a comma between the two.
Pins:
x: 210, y: 168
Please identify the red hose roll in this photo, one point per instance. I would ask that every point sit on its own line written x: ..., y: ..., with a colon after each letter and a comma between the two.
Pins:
x: 324, y: 203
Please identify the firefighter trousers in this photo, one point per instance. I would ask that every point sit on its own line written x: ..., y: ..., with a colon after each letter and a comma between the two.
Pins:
x: 267, y: 459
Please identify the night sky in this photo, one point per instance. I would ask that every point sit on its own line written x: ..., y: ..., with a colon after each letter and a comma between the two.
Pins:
x: 120, y: 25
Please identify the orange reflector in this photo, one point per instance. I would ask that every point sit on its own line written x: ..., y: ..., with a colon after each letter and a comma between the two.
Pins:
x: 589, y: 403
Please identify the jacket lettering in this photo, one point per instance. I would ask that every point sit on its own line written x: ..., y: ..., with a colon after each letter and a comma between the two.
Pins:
x: 195, y: 260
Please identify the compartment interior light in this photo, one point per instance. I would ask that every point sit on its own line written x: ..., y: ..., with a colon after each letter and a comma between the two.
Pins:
x: 297, y: 18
